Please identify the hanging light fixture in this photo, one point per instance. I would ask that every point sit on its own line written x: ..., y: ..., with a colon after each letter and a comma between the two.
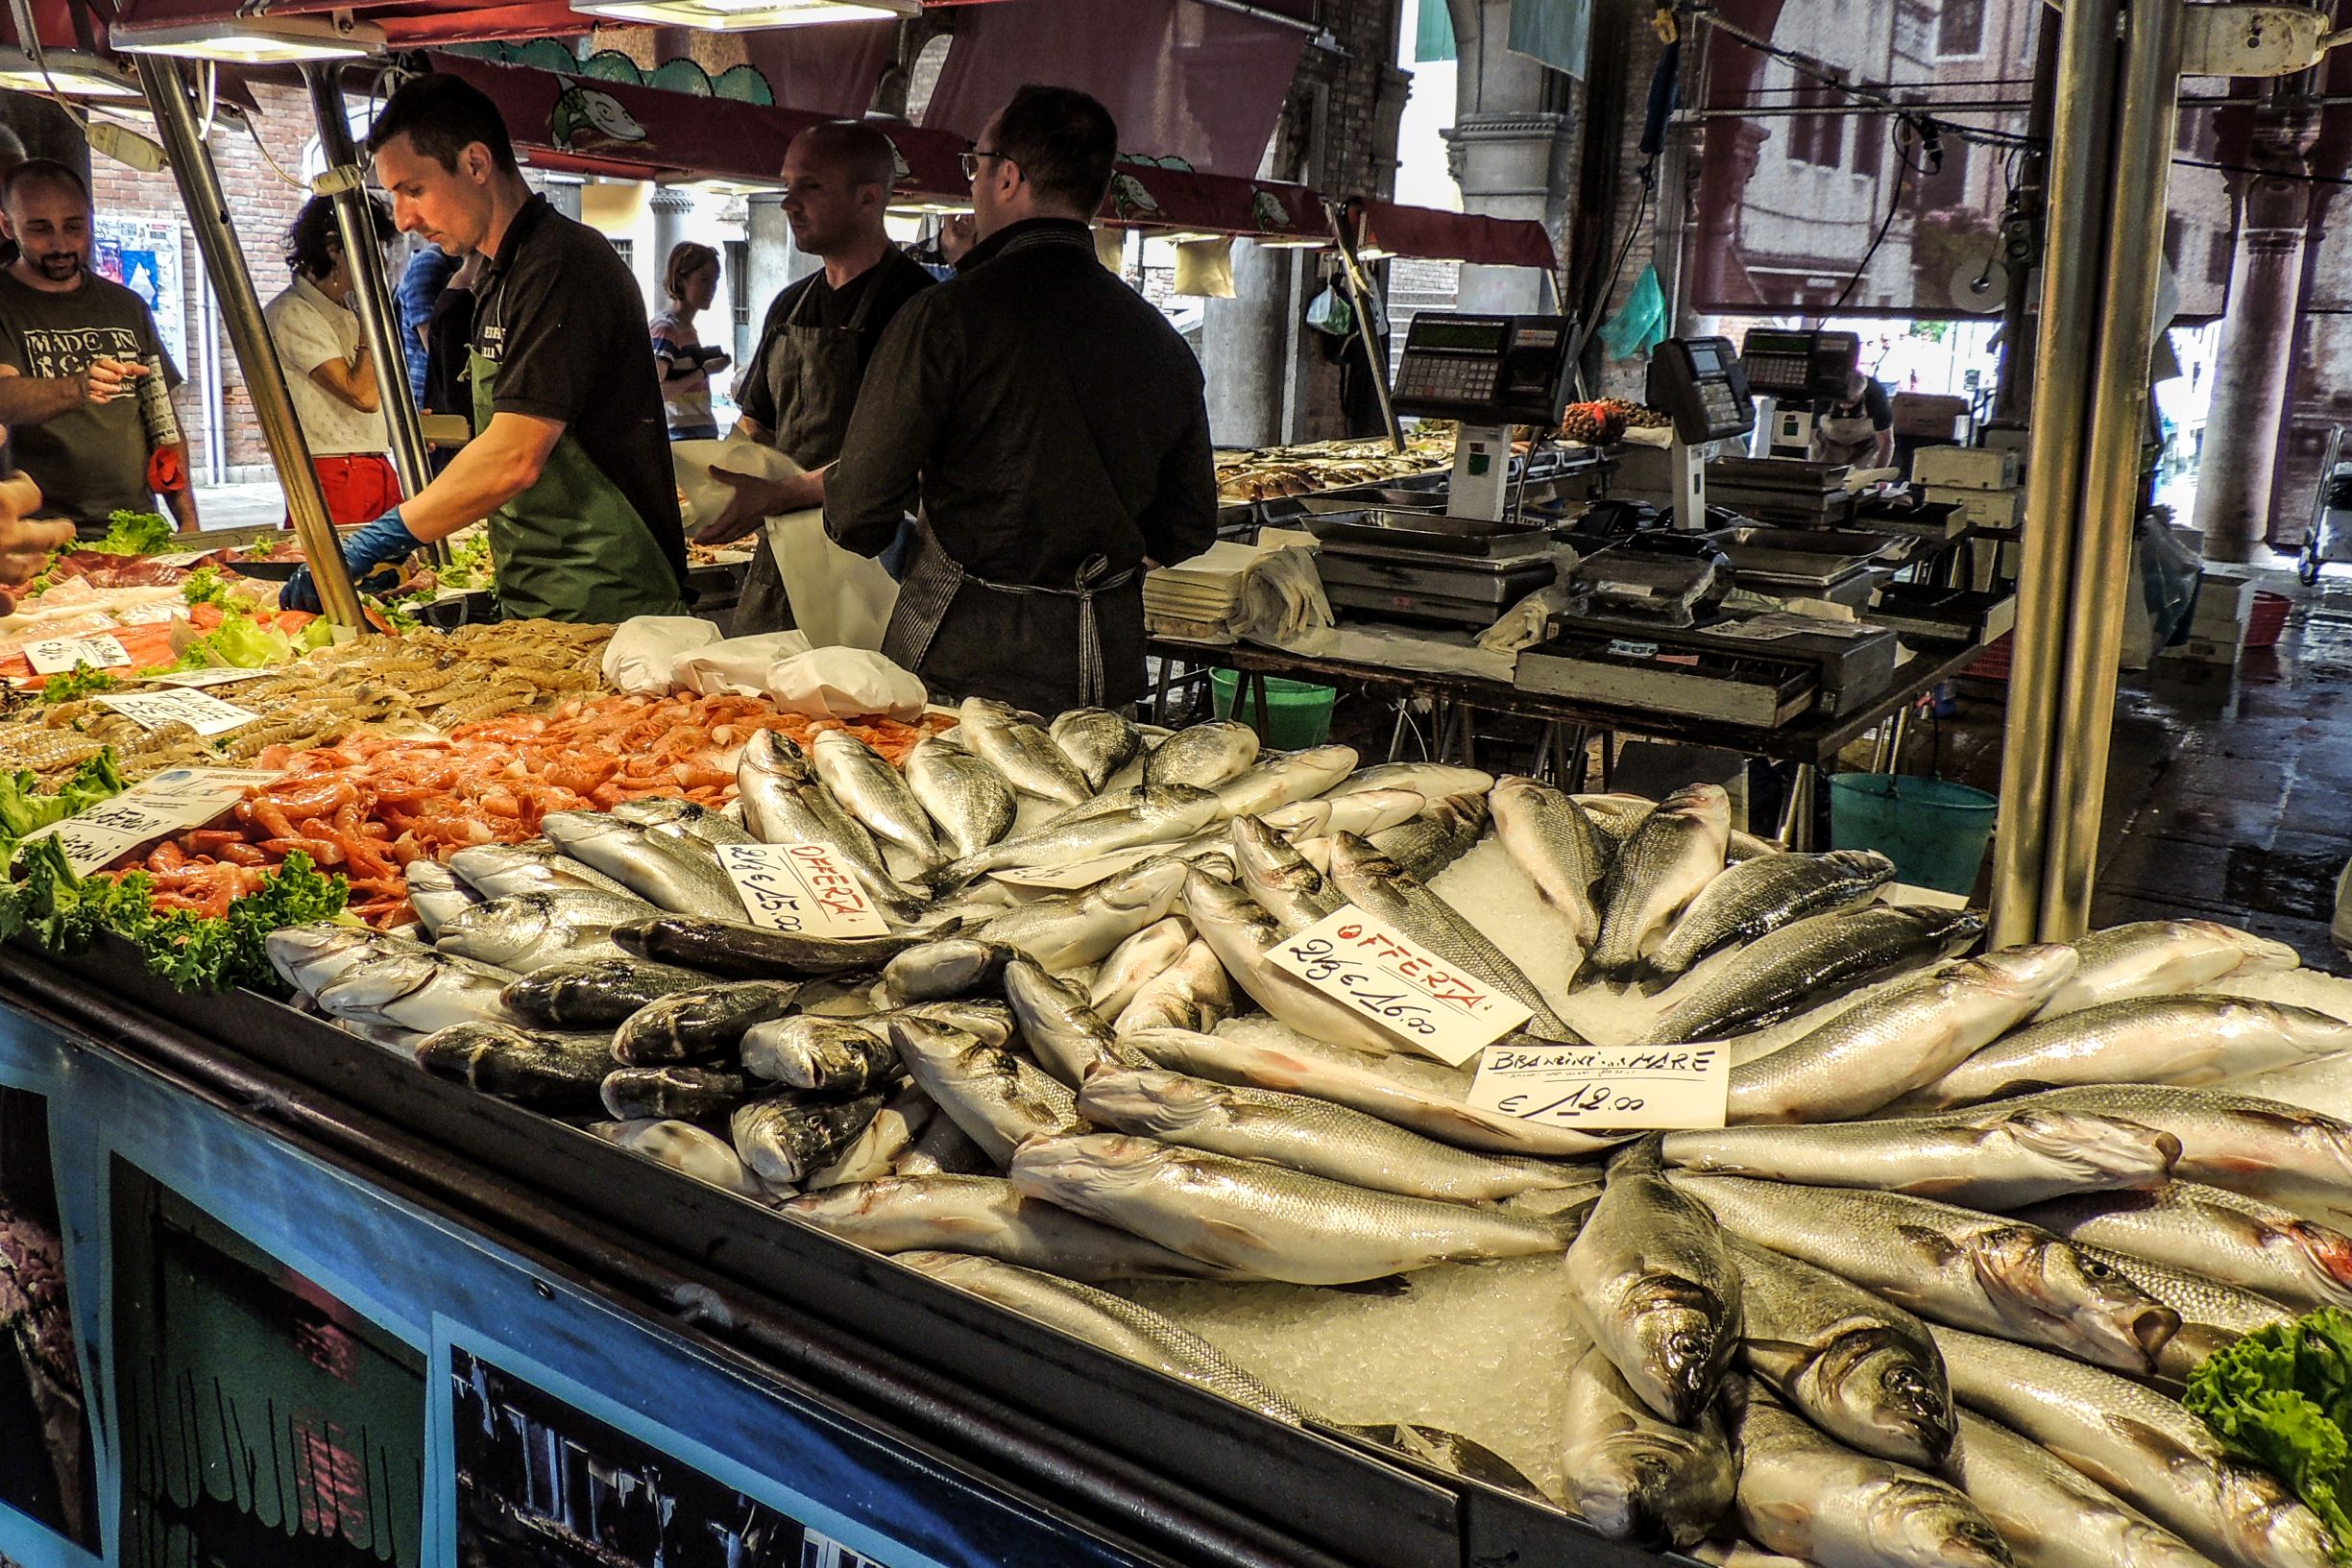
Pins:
x: 68, y: 73
x: 257, y: 40
x: 744, y: 15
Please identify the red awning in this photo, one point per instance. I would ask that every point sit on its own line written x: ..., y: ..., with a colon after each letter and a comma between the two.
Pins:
x: 1436, y: 235
x: 408, y: 24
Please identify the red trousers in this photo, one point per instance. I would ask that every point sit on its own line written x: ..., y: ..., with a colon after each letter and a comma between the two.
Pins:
x: 359, y: 489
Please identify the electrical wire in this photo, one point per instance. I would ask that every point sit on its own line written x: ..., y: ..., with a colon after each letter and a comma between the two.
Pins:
x: 1903, y: 178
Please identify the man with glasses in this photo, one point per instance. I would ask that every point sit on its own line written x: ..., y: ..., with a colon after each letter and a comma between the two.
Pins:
x: 802, y: 379
x: 1051, y: 423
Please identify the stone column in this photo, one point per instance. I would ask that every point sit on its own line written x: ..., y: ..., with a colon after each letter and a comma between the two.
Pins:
x: 1246, y: 351
x: 1509, y: 148
x: 672, y: 208
x: 2254, y: 360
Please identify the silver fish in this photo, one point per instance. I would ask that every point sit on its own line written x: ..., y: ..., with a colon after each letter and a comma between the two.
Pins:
x: 683, y: 1148
x: 1404, y: 1090
x: 1096, y: 742
x: 1069, y: 933
x: 1377, y: 885
x: 497, y: 871
x: 436, y: 894
x: 943, y: 1148
x: 1262, y: 1219
x: 1992, y: 1158
x: 1192, y: 993
x: 2050, y: 1513
x: 1024, y: 754
x: 426, y: 991
x: 1433, y: 781
x: 953, y: 966
x: 1675, y: 853
x: 1276, y: 781
x: 1950, y: 1266
x: 1782, y: 974
x: 803, y: 1050
x: 531, y: 931
x: 684, y: 817
x: 1104, y: 1320
x: 1900, y: 1039
x: 679, y: 873
x: 1135, y: 962
x: 1858, y: 1367
x: 785, y: 1139
x: 2213, y: 1315
x: 2140, y: 1445
x: 2163, y: 957
x: 985, y: 1215
x: 1549, y: 836
x: 307, y: 957
x: 786, y: 803
x: 876, y: 794
x: 1365, y: 812
x: 637, y: 1094
x: 1242, y: 934
x: 1810, y: 1497
x: 2193, y: 1041
x: 560, y: 1073
x: 2300, y: 1160
x: 1305, y: 1134
x: 1633, y: 1477
x: 964, y: 794
x: 700, y: 1022
x: 1165, y: 814
x: 1436, y: 837
x: 1068, y: 1036
x: 995, y: 1096
x: 2223, y: 1236
x: 1652, y: 1280
x: 1294, y: 892
x: 1758, y: 896
x: 887, y: 1140
x: 587, y: 993
x: 1202, y: 755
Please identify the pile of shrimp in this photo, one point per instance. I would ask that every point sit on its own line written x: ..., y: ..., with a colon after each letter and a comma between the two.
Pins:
x: 375, y: 801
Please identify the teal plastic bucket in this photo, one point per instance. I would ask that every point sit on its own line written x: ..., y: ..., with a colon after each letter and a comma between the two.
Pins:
x: 1297, y: 714
x: 1934, y: 831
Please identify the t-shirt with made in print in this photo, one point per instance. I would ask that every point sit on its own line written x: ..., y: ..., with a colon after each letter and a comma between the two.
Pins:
x: 90, y: 461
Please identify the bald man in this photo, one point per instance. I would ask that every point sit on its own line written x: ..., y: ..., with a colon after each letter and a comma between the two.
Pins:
x: 797, y: 391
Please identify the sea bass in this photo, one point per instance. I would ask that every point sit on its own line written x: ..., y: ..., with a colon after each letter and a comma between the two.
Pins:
x: 964, y: 794
x: 1633, y: 1477
x: 1675, y: 853
x: 1756, y: 897
x: 1782, y: 974
x: 876, y: 794
x: 1653, y: 1280
x: 1024, y: 754
x: 986, y: 1216
x: 2163, y: 957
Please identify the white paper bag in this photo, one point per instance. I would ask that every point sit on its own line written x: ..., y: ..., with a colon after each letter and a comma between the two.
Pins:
x: 845, y: 683
x: 736, y: 666
x: 837, y: 598
x: 645, y: 648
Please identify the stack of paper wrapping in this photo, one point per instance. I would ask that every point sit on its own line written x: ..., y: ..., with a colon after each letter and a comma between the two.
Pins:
x: 1196, y: 600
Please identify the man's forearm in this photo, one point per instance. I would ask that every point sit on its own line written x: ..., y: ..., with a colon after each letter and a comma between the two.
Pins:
x: 33, y: 399
x: 183, y: 501
x: 484, y: 475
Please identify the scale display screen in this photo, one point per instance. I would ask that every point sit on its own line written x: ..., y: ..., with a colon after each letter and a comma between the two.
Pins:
x: 1800, y: 365
x: 1698, y: 380
x: 1485, y: 370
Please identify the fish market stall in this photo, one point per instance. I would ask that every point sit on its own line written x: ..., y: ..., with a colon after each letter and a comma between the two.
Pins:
x: 1194, y: 1153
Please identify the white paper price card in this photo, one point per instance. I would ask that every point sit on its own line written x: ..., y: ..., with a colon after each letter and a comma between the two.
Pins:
x: 56, y: 655
x: 800, y: 887
x: 1368, y: 965
x: 169, y: 803
x: 1607, y: 1088
x: 193, y: 679
x: 207, y: 715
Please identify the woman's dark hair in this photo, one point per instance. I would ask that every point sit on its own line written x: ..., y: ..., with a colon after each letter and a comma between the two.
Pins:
x: 313, y: 229
x: 442, y: 116
x: 1065, y: 143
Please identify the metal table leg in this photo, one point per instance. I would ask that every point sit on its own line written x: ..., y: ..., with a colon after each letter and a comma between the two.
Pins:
x: 1797, y: 810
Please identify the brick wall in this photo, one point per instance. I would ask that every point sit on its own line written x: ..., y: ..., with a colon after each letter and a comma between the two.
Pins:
x: 1622, y: 198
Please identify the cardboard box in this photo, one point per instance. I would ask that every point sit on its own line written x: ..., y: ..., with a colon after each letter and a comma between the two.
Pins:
x: 1964, y: 467
x: 2224, y: 604
x: 1984, y: 508
x: 1930, y: 415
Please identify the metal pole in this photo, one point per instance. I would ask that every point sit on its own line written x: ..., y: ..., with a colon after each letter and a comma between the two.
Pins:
x: 2081, y: 126
x: 371, y: 291
x: 2146, y: 122
x: 2013, y: 398
x: 216, y: 241
x: 1359, y: 293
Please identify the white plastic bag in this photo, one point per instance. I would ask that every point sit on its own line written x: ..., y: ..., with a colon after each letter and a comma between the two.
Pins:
x: 736, y: 666
x: 845, y: 683
x: 837, y: 598
x: 646, y: 648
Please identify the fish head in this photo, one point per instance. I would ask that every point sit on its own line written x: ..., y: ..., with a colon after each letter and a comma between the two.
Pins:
x: 931, y: 1044
x: 1266, y: 862
x: 1212, y: 901
x: 1466, y: 812
x: 500, y: 930
x: 2052, y: 1289
x: 2260, y: 952
x: 2308, y: 1029
x: 1078, y: 1168
x: 1031, y: 989
x: 1922, y: 1522
x: 1148, y: 1101
x: 1369, y: 811
x: 1951, y: 929
x: 1881, y: 1381
x: 1150, y: 889
x: 308, y: 956
x: 2033, y: 971
x: 1354, y: 856
x: 1683, y: 1343
x: 1699, y: 803
x: 654, y: 810
x: 1300, y: 819
x: 773, y: 755
x: 2095, y: 1153
x: 1860, y: 863
x: 571, y: 828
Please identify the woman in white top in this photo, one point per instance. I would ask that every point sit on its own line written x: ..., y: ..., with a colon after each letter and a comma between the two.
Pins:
x: 690, y: 278
x: 328, y: 369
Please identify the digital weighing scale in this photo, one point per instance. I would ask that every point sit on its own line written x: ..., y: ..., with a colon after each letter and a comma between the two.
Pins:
x: 1789, y: 371
x: 1698, y: 382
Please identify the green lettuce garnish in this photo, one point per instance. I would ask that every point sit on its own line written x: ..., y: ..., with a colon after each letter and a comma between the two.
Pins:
x: 2282, y: 1397
x: 136, y: 533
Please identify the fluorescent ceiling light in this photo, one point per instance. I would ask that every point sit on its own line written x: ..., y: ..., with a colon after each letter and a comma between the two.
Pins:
x: 1295, y: 242
x: 743, y: 16
x: 258, y: 40
x: 71, y: 72
x: 1183, y: 236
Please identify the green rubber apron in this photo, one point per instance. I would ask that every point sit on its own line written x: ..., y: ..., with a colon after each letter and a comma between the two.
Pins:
x: 573, y: 547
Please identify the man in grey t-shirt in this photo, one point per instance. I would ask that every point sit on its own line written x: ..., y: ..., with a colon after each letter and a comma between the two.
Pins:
x: 79, y: 366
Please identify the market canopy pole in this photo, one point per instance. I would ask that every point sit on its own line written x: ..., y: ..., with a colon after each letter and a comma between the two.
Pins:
x: 232, y: 284
x: 1359, y: 296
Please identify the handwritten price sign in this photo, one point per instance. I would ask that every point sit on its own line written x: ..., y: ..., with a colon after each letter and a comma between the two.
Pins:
x: 1607, y: 1088
x: 800, y: 887
x: 56, y: 655
x: 168, y: 803
x: 1424, y: 1001
x: 207, y: 715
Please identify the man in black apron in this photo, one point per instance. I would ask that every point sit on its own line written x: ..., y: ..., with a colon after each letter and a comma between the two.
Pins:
x: 1051, y: 423
x: 569, y: 461
x: 802, y: 381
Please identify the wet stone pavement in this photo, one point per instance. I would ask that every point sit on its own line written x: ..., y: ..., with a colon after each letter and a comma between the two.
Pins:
x: 2229, y: 792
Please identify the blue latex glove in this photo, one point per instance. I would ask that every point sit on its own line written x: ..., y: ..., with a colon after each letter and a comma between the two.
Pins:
x: 364, y: 549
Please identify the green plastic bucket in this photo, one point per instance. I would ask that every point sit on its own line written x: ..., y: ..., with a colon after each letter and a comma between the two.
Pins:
x: 1297, y: 714
x: 1934, y: 831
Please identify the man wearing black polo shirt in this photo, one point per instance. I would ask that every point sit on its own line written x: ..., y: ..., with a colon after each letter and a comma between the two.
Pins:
x: 569, y: 461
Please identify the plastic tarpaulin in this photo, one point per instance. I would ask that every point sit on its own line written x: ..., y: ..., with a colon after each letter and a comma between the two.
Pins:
x: 1436, y: 235
x: 1183, y: 80
x: 825, y: 70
